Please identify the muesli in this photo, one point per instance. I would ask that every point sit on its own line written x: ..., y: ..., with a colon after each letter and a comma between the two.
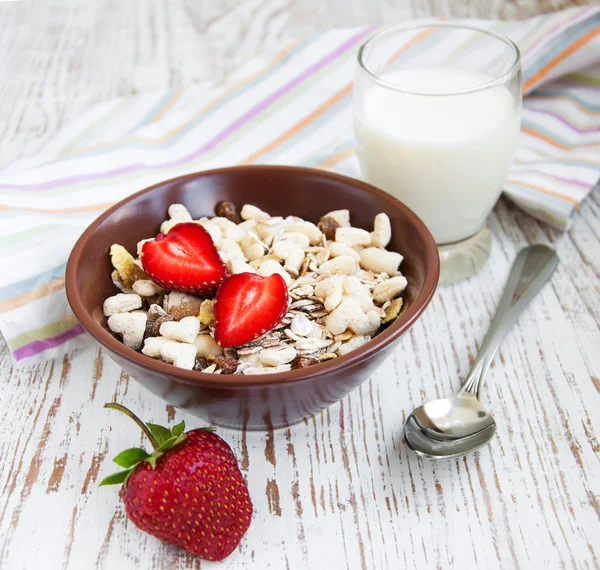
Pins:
x: 252, y: 293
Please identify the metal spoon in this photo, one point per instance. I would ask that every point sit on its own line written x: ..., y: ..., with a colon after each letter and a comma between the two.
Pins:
x: 451, y: 427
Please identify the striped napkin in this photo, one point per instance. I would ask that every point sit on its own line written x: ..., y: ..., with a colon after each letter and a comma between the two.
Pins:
x: 293, y: 107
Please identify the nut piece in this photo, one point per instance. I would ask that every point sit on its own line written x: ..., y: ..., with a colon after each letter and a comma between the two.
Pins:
x: 207, y: 313
x: 207, y: 346
x: 301, y: 325
x: 200, y: 364
x: 228, y: 210
x: 352, y: 237
x: 341, y: 265
x: 336, y: 249
x: 154, y: 323
x: 227, y: 364
x: 388, y: 289
x: 153, y: 345
x: 342, y: 217
x: 304, y: 362
x: 123, y: 262
x: 131, y: 326
x: 277, y: 356
x: 185, y: 330
x: 382, y: 233
x: 121, y: 303
x: 179, y: 354
x: 250, y: 212
x: 153, y: 300
x: 180, y: 305
x: 118, y: 283
x: 328, y: 225
x: 347, y: 315
x: 380, y: 260
x: 146, y: 288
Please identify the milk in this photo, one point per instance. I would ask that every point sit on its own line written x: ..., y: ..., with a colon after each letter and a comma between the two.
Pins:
x: 445, y: 156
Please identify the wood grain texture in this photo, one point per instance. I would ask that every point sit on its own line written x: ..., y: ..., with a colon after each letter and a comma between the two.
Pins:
x: 339, y: 491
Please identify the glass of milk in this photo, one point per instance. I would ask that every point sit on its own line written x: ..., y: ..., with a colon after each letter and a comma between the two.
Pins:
x: 436, y: 116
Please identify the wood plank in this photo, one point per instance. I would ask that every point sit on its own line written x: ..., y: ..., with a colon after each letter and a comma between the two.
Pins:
x: 339, y: 490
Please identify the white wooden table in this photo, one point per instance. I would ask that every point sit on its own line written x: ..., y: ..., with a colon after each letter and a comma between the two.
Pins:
x: 341, y: 490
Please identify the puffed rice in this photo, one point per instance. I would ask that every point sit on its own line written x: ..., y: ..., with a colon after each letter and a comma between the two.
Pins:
x: 341, y: 291
x: 380, y: 260
x: 382, y: 232
x: 179, y: 354
x: 130, y: 326
x: 389, y: 289
x: 342, y: 217
x: 185, y: 330
x: 352, y: 237
x: 121, y: 303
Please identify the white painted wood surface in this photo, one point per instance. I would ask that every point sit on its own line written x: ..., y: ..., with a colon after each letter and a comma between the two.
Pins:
x: 340, y: 491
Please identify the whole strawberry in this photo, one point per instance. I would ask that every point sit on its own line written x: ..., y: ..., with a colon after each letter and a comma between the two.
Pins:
x: 188, y: 492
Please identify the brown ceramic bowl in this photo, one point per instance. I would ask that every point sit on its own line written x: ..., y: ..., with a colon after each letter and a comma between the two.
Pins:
x: 253, y: 401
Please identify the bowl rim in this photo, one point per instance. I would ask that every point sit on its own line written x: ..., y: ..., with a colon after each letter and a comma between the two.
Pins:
x: 350, y: 360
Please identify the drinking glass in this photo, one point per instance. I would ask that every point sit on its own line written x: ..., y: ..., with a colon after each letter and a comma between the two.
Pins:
x: 437, y: 110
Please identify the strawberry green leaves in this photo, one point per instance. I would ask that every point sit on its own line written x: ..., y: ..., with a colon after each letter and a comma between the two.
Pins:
x: 131, y: 457
x: 116, y: 478
x: 166, y: 438
x: 217, y: 509
x: 162, y: 434
x: 178, y: 429
x: 161, y: 438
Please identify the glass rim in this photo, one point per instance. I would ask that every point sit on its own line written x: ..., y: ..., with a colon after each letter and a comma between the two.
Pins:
x: 408, y: 27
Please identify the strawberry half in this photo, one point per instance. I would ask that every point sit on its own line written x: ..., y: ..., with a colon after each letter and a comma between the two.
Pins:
x: 247, y: 306
x: 185, y: 259
x: 188, y: 492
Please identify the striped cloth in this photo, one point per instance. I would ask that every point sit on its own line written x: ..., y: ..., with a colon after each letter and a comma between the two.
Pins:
x: 290, y: 108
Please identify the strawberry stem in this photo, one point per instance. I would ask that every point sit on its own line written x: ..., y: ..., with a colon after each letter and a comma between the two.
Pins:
x: 137, y: 420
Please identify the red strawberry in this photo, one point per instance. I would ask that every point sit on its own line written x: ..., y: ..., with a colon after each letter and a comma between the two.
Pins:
x: 247, y: 306
x: 188, y: 492
x: 185, y: 259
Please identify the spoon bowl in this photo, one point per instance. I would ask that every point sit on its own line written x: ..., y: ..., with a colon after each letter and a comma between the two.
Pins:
x: 456, y: 426
x: 450, y: 427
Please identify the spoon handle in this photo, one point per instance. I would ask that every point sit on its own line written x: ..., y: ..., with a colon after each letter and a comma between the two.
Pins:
x: 530, y: 272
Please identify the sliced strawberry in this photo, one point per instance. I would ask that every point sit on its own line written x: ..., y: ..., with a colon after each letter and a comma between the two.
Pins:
x: 247, y: 306
x: 185, y: 259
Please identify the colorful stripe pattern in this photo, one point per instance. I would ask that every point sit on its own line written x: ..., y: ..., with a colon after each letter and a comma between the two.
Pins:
x: 294, y: 108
